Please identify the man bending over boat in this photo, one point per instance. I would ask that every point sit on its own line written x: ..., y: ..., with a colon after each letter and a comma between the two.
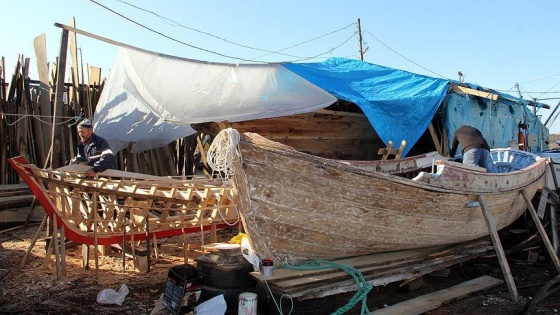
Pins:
x: 475, y: 149
x: 93, y: 149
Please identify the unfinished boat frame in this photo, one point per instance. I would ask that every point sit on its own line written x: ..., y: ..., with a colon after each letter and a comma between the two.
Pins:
x: 107, y: 210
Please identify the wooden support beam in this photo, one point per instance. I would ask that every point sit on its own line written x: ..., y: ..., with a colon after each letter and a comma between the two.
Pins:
x: 473, y: 92
x: 33, y: 241
x: 542, y: 232
x: 498, y: 248
x: 399, y: 152
x: 386, y: 151
x: 554, y: 226
x: 56, y: 244
x: 85, y: 256
x: 62, y: 240
x: 435, y: 138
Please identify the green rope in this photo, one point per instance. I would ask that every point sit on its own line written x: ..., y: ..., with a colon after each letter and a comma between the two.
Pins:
x: 363, y: 286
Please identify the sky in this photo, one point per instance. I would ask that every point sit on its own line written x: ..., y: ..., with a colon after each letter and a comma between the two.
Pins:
x: 509, y: 46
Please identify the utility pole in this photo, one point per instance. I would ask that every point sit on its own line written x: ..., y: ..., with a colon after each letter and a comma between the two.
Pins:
x: 360, y: 41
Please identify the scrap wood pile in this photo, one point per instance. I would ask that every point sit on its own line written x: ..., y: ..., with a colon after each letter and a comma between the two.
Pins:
x: 15, y: 196
x: 379, y: 269
x: 31, y: 117
x: 15, y: 201
x: 523, y: 238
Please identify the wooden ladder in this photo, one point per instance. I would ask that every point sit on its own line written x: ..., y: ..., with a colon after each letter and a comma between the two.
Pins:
x: 385, y: 152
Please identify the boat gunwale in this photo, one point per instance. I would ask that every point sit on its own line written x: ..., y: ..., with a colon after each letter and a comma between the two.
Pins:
x: 305, y: 157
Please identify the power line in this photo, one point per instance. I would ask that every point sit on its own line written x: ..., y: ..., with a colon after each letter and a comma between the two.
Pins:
x: 310, y: 40
x: 227, y: 56
x: 543, y: 78
x: 332, y: 49
x: 391, y: 49
x: 169, y: 37
x: 548, y: 92
x: 551, y: 88
x: 177, y: 24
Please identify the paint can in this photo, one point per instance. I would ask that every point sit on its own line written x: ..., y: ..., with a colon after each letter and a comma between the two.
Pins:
x: 247, y: 303
x: 266, y: 267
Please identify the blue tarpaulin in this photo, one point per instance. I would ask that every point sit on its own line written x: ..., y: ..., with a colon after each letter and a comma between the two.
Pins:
x: 398, y: 104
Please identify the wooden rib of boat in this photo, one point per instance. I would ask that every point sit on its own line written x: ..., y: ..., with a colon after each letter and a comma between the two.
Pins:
x: 295, y: 206
x: 117, y: 204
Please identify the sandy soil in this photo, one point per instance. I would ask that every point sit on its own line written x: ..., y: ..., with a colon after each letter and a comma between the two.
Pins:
x: 36, y: 290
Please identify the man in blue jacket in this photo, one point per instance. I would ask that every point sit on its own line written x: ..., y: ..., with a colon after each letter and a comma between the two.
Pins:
x: 93, y: 149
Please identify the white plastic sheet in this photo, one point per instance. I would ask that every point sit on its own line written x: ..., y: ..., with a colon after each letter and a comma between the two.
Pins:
x: 151, y: 99
x: 110, y: 296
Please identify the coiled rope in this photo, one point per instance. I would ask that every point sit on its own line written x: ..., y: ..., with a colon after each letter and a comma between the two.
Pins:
x: 363, y: 286
x: 221, y: 156
x: 223, y: 152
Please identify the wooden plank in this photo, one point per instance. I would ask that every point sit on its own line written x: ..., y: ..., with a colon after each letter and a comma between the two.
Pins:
x: 58, y: 157
x: 399, y: 152
x: 73, y: 48
x: 499, y: 249
x: 386, y: 151
x: 94, y: 75
x: 434, y: 300
x: 435, y: 139
x: 542, y: 203
x: 44, y: 103
x: 554, y: 228
x: 469, y: 91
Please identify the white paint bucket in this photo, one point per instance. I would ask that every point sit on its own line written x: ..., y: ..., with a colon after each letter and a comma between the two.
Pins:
x: 247, y: 304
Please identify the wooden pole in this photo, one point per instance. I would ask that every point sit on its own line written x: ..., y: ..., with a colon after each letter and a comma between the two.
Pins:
x: 542, y: 232
x: 55, y: 241
x: 33, y: 241
x: 360, y: 40
x: 95, y: 241
x: 553, y: 207
x: 148, y: 238
x: 62, y: 240
x: 124, y: 245
x: 499, y: 249
x: 57, y: 157
x: 554, y: 226
x: 184, y: 238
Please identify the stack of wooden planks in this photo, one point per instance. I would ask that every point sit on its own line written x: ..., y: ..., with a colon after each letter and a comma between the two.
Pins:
x: 15, y: 205
x: 378, y: 269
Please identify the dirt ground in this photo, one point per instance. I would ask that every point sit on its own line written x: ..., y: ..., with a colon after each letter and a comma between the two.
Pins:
x: 35, y: 290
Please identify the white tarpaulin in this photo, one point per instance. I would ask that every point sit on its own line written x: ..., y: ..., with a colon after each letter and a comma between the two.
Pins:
x: 151, y: 99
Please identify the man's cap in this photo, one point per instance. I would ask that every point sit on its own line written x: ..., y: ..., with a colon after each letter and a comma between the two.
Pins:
x: 86, y: 123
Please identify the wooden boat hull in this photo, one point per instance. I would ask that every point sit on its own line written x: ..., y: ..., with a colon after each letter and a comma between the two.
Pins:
x: 295, y: 206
